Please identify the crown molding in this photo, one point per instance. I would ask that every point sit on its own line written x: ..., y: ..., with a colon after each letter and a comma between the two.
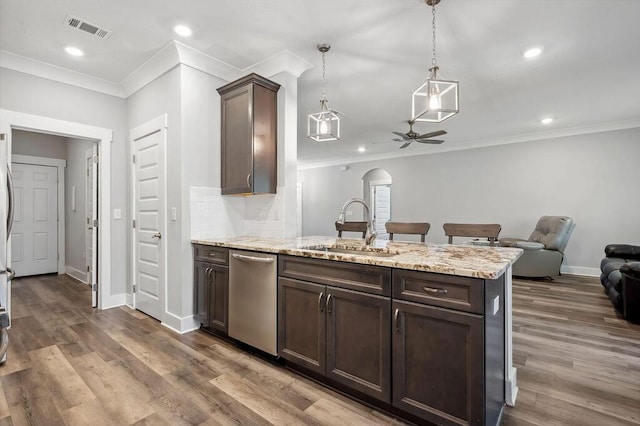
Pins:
x: 168, y: 57
x: 283, y: 61
x: 480, y: 143
x: 171, y: 55
x: 26, y: 65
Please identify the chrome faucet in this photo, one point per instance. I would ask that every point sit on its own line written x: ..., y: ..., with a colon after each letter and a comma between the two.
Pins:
x: 371, y: 233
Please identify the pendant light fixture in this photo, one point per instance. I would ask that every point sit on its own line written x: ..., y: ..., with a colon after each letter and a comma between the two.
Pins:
x: 324, y: 126
x: 436, y: 100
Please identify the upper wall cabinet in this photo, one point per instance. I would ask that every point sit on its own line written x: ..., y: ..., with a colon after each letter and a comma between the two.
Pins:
x: 249, y: 136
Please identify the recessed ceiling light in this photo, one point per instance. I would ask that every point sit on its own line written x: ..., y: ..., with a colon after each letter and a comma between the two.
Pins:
x: 533, y: 52
x: 547, y: 120
x: 73, y: 51
x: 361, y: 149
x: 182, y: 30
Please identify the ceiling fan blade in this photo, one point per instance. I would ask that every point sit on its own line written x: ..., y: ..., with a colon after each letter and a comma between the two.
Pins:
x: 402, y: 135
x: 432, y: 141
x: 406, y: 144
x: 432, y: 134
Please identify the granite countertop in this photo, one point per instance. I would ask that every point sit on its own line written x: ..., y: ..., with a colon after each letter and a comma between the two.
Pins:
x: 461, y: 260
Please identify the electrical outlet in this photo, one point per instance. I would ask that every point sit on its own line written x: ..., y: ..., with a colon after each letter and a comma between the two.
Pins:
x: 174, y: 214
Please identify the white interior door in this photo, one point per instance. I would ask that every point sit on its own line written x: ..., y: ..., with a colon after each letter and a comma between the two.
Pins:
x: 91, y: 244
x: 34, y: 239
x: 150, y: 252
x: 381, y: 208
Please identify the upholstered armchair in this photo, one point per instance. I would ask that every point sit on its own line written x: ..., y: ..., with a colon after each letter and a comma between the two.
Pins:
x: 544, y: 250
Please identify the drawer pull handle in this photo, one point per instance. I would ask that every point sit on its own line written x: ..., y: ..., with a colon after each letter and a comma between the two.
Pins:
x: 329, y: 304
x: 435, y: 290
x: 320, y: 302
x: 396, y: 316
x: 212, y: 255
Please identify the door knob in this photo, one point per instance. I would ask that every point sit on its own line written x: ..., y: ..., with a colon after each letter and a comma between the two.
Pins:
x: 157, y: 235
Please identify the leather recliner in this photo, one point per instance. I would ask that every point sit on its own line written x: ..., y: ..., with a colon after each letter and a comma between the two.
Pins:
x: 544, y: 250
x: 621, y: 278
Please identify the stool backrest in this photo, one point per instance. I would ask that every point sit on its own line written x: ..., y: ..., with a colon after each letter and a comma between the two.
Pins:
x: 351, y: 227
x: 408, y: 228
x: 489, y: 231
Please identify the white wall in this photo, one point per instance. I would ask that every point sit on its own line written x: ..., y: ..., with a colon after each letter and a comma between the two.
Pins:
x: 38, y: 144
x: 592, y: 178
x: 29, y: 94
x: 76, y: 221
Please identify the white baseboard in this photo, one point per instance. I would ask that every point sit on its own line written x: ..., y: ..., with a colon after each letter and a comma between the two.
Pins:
x: 580, y: 270
x: 511, y: 388
x: 179, y: 325
x: 76, y: 274
x: 112, y: 301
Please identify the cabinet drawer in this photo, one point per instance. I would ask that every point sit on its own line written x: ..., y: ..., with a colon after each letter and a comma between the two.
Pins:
x: 354, y: 276
x: 460, y: 293
x: 211, y: 254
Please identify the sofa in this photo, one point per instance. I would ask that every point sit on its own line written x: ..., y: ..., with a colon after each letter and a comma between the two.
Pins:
x: 621, y: 278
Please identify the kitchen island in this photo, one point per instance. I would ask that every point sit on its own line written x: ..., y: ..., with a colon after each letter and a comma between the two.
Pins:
x: 423, y: 331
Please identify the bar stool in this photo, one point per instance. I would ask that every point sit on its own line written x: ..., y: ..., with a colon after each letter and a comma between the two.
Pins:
x: 407, y: 228
x: 489, y: 231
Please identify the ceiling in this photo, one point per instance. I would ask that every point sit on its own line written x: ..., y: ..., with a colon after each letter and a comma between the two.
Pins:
x: 586, y: 78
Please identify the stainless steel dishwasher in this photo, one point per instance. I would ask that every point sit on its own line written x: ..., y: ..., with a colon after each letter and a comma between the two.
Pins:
x: 253, y: 299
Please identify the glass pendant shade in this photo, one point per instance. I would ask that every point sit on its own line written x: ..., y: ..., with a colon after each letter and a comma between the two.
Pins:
x: 435, y: 101
x: 323, y: 126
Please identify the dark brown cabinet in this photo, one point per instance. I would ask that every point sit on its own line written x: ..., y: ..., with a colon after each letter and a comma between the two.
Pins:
x: 249, y: 136
x: 211, y: 288
x: 339, y: 333
x: 448, y: 364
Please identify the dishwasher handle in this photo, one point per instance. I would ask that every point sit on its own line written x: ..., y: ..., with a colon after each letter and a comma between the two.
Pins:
x: 252, y: 258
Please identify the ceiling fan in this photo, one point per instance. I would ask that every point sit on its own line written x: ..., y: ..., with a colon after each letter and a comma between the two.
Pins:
x: 412, y: 136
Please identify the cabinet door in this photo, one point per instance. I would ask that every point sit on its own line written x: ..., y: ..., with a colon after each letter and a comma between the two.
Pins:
x: 359, y: 341
x: 301, y: 323
x: 438, y: 363
x: 237, y: 141
x: 218, y: 297
x: 201, y: 291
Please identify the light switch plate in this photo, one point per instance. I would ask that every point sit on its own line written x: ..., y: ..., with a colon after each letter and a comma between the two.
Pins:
x: 174, y: 214
x: 496, y: 305
x: 117, y: 214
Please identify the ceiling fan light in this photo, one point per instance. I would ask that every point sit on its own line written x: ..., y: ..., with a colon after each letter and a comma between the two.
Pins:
x: 435, y: 101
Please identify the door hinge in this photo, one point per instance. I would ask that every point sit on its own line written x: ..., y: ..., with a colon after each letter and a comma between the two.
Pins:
x: 94, y: 287
x: 88, y: 221
x: 134, y: 223
x: 95, y: 159
x: 95, y: 222
x: 134, y: 288
x: 133, y: 158
x: 88, y: 268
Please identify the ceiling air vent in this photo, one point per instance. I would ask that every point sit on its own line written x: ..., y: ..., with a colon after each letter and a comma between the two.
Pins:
x: 88, y: 27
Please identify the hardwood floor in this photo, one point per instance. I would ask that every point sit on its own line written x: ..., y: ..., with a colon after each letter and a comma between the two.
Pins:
x: 578, y: 364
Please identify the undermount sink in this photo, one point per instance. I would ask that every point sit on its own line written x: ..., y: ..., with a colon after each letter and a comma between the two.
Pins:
x: 355, y: 252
